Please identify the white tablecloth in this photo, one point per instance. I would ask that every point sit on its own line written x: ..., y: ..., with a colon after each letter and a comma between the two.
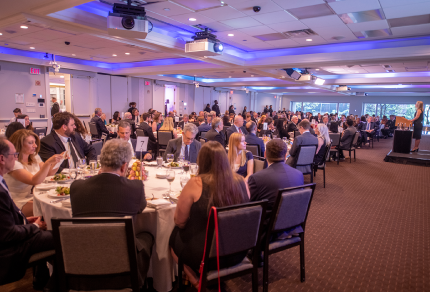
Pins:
x: 158, y: 222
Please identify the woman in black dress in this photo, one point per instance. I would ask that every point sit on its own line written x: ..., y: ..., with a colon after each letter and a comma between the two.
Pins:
x: 231, y: 110
x: 418, y: 124
x: 216, y: 185
x: 244, y: 112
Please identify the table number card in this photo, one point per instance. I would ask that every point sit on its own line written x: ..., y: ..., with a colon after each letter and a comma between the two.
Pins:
x: 141, y: 144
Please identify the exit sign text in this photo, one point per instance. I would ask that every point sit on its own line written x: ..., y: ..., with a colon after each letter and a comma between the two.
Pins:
x: 34, y: 71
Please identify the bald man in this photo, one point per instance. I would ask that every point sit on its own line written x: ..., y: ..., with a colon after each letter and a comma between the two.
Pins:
x: 237, y: 127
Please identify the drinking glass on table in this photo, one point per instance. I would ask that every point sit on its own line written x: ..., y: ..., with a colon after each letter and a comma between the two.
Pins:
x: 170, y: 176
x: 98, y: 161
x: 93, y: 166
x: 181, y: 159
x: 73, y: 172
x: 284, y: 139
x: 186, y: 166
x: 81, y: 165
x: 194, y: 169
x: 159, y: 161
x: 169, y: 158
x: 184, y: 180
x: 275, y: 136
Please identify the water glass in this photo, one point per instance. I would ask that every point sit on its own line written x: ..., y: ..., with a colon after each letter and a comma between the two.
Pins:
x: 184, y: 180
x: 73, y: 173
x: 159, y: 161
x: 169, y: 158
x: 93, y: 166
x: 81, y: 165
x: 170, y: 176
x: 181, y: 159
x: 194, y: 169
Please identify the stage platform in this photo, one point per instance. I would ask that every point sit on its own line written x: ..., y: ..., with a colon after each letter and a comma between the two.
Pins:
x: 422, y: 157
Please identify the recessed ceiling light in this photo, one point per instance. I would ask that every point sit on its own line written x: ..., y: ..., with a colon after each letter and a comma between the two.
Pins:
x: 127, y: 53
x: 1, y: 33
x: 24, y: 26
x: 31, y: 48
x: 317, y: 69
x: 61, y: 76
x: 308, y: 40
x: 252, y: 75
x: 114, y: 55
x: 230, y: 34
x: 192, y: 19
x: 73, y: 55
x: 166, y: 9
x: 229, y: 76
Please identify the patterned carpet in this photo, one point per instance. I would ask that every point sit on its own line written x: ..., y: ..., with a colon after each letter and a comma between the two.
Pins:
x: 368, y: 230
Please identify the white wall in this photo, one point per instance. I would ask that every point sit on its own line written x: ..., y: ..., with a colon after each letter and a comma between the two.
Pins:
x: 264, y: 99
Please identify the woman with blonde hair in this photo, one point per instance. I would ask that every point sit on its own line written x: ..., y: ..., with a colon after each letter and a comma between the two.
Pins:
x: 260, y: 123
x: 418, y: 124
x: 321, y: 131
x: 29, y: 170
x: 168, y: 126
x: 241, y: 160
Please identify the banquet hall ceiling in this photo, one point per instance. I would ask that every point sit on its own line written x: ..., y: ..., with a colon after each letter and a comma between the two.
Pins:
x: 365, y: 44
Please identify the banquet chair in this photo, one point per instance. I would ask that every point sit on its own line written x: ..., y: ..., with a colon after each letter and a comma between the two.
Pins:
x: 98, y: 253
x: 39, y: 131
x: 322, y: 165
x: 163, y: 139
x: 335, y: 141
x: 202, y: 141
x: 254, y: 148
x: 93, y: 130
x: 140, y: 133
x: 290, y: 210
x: 352, y: 146
x: 203, y: 134
x: 305, y: 159
x: 259, y: 163
x: 239, y: 230
x: 370, y: 138
x: 97, y: 145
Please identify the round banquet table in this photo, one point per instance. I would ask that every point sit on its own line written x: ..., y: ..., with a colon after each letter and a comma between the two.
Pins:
x: 158, y: 222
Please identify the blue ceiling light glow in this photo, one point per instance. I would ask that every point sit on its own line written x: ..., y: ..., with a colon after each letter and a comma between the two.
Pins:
x: 376, y: 75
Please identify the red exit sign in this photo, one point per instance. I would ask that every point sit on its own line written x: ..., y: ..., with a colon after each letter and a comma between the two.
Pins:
x: 35, y: 71
x: 147, y: 83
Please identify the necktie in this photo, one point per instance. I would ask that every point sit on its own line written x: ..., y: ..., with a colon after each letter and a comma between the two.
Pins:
x: 368, y: 126
x: 72, y: 152
x: 240, y: 130
x: 187, y: 156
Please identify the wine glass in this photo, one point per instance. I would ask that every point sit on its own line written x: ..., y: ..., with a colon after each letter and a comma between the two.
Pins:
x: 73, y: 172
x: 194, y: 169
x: 181, y: 160
x: 170, y: 176
x: 159, y: 161
x: 186, y: 166
x: 169, y: 158
x: 81, y: 165
x: 93, y: 166
x: 98, y: 161
x: 184, y: 180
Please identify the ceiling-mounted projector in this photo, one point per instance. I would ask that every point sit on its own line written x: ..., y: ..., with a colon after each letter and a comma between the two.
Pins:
x: 343, y: 88
x: 204, y: 44
x: 298, y: 76
x: 128, y: 21
x: 361, y: 94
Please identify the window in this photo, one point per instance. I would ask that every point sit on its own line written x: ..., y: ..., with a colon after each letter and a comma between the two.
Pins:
x: 370, y: 109
x: 378, y: 109
x: 426, y: 115
x: 322, y: 108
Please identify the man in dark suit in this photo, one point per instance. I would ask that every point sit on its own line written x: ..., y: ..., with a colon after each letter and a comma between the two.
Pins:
x: 237, y: 127
x: 266, y: 109
x: 204, y: 127
x: 132, y: 106
x: 347, y: 137
x: 129, y: 119
x: 55, y: 106
x: 368, y: 129
x: 147, y: 130
x: 64, y: 138
x: 292, y: 126
x: 110, y: 194
x: 124, y: 132
x: 305, y: 138
x: 101, y: 128
x: 20, y: 236
x: 278, y: 175
x: 185, y: 119
x: 215, y: 133
x: 270, y: 110
x: 251, y: 137
x: 185, y: 145
x: 254, y: 117
x: 215, y: 108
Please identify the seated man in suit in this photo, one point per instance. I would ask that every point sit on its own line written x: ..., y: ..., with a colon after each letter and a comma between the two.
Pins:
x: 185, y: 119
x: 101, y: 128
x: 265, y: 183
x: 305, y: 138
x: 185, y: 146
x: 215, y: 133
x: 236, y: 127
x: 20, y: 237
x: 204, y: 127
x: 292, y: 126
x: 63, y: 138
x: 368, y: 129
x: 346, y: 137
x: 129, y: 119
x: 111, y: 194
x: 124, y: 132
x: 147, y: 130
x: 251, y: 137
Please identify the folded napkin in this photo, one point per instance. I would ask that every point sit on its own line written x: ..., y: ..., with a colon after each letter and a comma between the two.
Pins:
x: 158, y: 203
x: 66, y: 203
x: 151, y: 163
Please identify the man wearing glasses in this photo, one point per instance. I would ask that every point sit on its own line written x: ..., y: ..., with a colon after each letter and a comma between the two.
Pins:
x: 20, y: 236
x: 185, y: 146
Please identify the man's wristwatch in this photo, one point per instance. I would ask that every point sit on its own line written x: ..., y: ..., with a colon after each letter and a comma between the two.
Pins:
x: 36, y: 224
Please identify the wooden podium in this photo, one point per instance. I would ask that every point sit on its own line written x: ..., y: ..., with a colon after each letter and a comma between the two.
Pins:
x: 402, y: 120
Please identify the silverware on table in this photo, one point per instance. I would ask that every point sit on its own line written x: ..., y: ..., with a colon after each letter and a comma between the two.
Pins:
x: 59, y: 200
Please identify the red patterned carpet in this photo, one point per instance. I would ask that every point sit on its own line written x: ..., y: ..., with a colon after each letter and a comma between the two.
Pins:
x: 368, y: 230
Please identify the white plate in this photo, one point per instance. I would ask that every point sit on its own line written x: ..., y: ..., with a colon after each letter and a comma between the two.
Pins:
x: 45, y: 187
x: 65, y: 182
x: 53, y: 194
x: 160, y: 175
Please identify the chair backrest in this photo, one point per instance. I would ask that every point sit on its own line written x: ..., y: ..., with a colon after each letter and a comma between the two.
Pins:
x: 254, y: 148
x: 239, y: 228
x: 225, y: 128
x: 306, y: 155
x: 140, y: 133
x: 296, y: 133
x: 93, y: 129
x: 92, y: 247
x: 203, y: 134
x: 164, y: 137
x: 327, y: 153
x: 291, y: 207
x: 355, y: 140
x: 202, y: 141
x: 39, y: 131
x: 258, y: 163
x: 335, y: 139
x: 98, y: 145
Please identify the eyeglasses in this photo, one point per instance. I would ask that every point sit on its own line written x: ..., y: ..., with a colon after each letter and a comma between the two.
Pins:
x: 16, y: 154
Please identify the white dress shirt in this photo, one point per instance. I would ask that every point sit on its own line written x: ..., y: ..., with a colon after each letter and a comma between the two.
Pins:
x: 66, y: 146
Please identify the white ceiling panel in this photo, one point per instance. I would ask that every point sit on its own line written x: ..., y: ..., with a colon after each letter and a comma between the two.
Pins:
x: 267, y: 6
x: 369, y: 25
x: 237, y: 37
x: 329, y: 20
x: 420, y: 29
x: 259, y: 46
x: 274, y: 17
x: 283, y: 43
x: 289, y: 4
x: 257, y: 30
x: 288, y: 26
x: 407, y: 10
x: 167, y: 8
x: 241, y: 22
x: 392, y: 3
x: 23, y: 40
x: 218, y: 26
x: 329, y: 32
x: 316, y: 40
x: 354, y: 5
x: 200, y: 18
x: 222, y: 13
